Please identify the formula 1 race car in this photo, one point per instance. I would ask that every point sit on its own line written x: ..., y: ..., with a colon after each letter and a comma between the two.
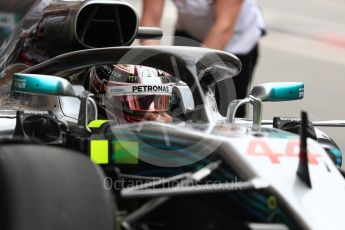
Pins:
x: 96, y: 134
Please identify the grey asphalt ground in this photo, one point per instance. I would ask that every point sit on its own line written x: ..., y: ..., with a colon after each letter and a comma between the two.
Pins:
x: 306, y: 43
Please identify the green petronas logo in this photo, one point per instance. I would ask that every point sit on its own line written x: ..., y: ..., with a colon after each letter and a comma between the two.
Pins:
x: 165, y: 79
x: 133, y: 78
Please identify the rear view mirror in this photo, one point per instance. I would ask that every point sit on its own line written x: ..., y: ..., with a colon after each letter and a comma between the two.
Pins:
x: 55, y: 86
x: 278, y: 91
x: 275, y: 91
x: 42, y: 85
x: 149, y: 33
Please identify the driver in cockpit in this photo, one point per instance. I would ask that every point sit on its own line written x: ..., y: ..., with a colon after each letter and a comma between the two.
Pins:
x: 132, y: 93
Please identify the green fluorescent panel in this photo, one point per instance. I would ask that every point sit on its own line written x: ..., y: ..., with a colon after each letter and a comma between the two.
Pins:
x: 96, y: 123
x: 126, y: 152
x: 99, y: 151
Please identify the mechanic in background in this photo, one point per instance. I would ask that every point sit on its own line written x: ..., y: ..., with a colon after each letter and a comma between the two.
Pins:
x: 234, y: 26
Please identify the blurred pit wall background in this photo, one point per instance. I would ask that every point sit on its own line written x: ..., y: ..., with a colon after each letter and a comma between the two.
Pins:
x: 305, y: 42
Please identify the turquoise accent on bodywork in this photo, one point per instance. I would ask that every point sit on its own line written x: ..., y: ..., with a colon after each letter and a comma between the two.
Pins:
x: 41, y: 84
x: 337, y: 154
x: 287, y: 91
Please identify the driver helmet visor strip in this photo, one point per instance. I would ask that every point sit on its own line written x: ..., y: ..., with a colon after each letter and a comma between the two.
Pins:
x: 140, y: 97
x: 133, y: 88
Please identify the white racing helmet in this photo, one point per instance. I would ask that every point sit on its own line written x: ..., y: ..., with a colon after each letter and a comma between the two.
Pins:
x: 131, y: 92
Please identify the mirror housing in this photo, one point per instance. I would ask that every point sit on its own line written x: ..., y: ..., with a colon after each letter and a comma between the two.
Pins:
x: 55, y: 86
x: 275, y: 91
x: 278, y: 91
x: 42, y: 85
x: 149, y: 33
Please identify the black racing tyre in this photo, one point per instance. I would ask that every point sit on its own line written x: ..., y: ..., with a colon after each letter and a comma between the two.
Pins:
x: 44, y: 187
